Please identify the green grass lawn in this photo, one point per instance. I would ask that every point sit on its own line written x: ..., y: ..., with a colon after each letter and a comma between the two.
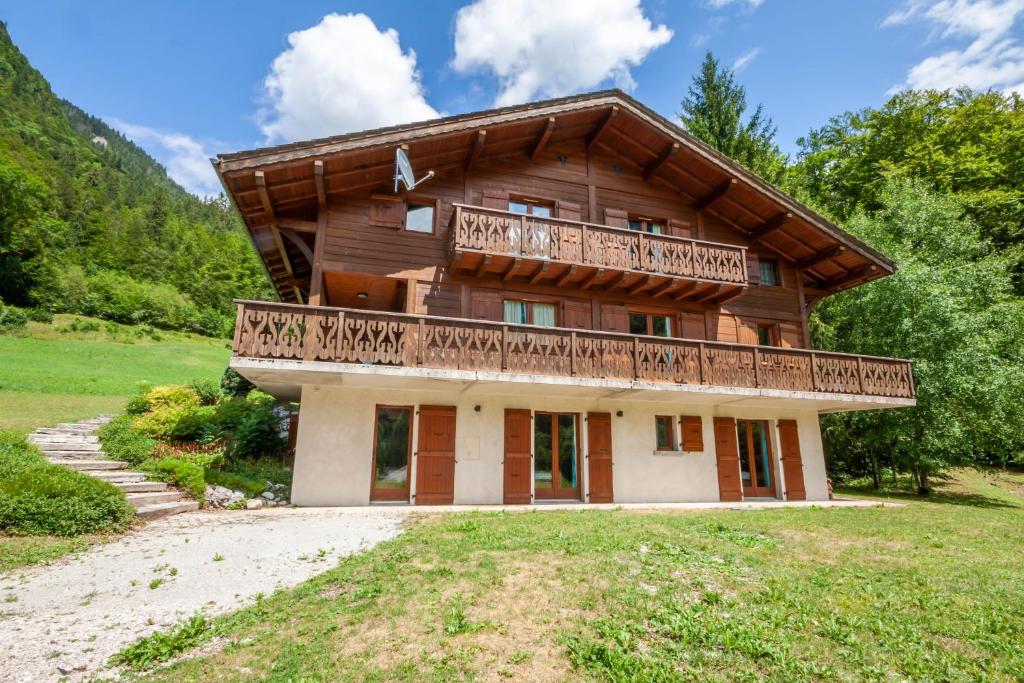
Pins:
x: 21, y: 551
x: 930, y: 591
x: 49, y: 376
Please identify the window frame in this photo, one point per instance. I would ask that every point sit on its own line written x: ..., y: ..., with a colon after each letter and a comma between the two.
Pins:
x: 411, y: 409
x: 530, y: 201
x: 530, y: 302
x: 775, y: 338
x: 647, y: 221
x: 422, y: 200
x: 649, y: 314
x: 673, y: 445
x: 778, y: 272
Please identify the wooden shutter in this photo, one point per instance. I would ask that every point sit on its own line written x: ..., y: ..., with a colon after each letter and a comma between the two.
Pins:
x: 387, y: 212
x: 599, y: 456
x: 693, y: 433
x: 495, y: 199
x: 435, y: 456
x: 728, y: 458
x: 487, y: 305
x: 577, y: 314
x: 678, y: 228
x: 790, y: 336
x: 753, y: 268
x: 792, y: 464
x: 746, y: 332
x: 616, y: 218
x: 691, y: 325
x: 613, y: 318
x: 569, y: 211
x: 518, y: 463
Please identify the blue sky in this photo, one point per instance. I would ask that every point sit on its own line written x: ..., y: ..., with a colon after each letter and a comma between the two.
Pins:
x: 189, y: 79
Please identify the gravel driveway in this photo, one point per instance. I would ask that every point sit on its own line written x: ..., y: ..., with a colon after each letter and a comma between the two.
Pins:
x: 78, y: 612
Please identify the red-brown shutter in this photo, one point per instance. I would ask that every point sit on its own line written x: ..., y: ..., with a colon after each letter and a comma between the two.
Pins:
x: 792, y: 464
x: 691, y: 325
x: 388, y: 212
x: 693, y: 433
x: 613, y: 318
x: 599, y: 456
x: 616, y: 218
x: 495, y: 199
x: 753, y: 268
x: 577, y: 314
x: 569, y: 211
x: 728, y: 458
x: 790, y: 335
x: 487, y: 305
x: 746, y: 332
x: 435, y: 456
x: 518, y: 463
x: 678, y: 228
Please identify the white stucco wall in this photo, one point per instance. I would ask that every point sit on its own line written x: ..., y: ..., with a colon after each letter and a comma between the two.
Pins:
x: 334, y: 445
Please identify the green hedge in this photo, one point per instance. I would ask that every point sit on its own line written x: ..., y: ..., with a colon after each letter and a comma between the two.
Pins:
x: 39, y: 498
x: 123, y: 442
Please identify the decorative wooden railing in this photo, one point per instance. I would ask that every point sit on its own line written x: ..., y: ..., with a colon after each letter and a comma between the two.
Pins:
x: 314, y: 333
x: 503, y: 233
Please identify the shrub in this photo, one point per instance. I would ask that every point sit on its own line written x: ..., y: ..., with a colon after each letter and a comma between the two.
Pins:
x: 208, y: 391
x: 259, y: 433
x: 121, y: 441
x: 234, y: 384
x: 138, y: 403
x: 12, y: 319
x: 184, y: 474
x: 39, y: 314
x: 37, y: 497
x: 166, y: 407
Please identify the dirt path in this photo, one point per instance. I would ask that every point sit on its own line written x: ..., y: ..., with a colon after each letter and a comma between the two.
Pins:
x: 78, y: 612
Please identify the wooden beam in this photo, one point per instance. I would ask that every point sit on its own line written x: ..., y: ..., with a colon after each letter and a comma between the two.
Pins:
x: 317, y: 293
x: 664, y: 288
x: 602, y: 128
x: 538, y: 146
x: 850, y: 277
x: 589, y: 281
x: 507, y: 275
x: 297, y: 225
x: 729, y: 295
x: 268, y: 209
x: 486, y: 261
x: 299, y: 243
x: 821, y: 256
x: 619, y: 282
x: 715, y: 194
x: 775, y: 223
x: 540, y: 273
x: 709, y: 293
x: 685, y: 290
x: 568, y: 276
x: 318, y: 178
x: 662, y: 159
x: 639, y: 285
x: 474, y: 152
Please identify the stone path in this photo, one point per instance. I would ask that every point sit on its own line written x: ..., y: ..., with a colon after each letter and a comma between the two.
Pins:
x: 77, y: 446
x: 73, y: 615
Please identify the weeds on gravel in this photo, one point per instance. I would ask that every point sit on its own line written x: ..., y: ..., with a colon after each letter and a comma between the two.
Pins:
x: 162, y: 645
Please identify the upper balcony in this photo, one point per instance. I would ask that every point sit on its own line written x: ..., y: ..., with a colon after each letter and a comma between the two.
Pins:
x: 566, y: 253
x: 285, y: 344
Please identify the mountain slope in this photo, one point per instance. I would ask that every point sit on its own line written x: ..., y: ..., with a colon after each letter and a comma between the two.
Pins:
x: 98, y: 228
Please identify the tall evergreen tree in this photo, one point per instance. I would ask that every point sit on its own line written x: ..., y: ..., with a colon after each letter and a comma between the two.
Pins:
x: 713, y: 111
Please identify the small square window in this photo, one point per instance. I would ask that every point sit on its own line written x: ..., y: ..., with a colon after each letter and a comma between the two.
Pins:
x: 664, y: 430
x: 770, y: 272
x: 766, y: 335
x: 420, y: 218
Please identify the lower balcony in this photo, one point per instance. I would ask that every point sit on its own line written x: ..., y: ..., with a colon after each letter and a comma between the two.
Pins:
x: 311, y: 342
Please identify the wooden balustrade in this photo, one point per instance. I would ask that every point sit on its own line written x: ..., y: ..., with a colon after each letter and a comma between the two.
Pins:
x: 503, y: 233
x: 313, y: 333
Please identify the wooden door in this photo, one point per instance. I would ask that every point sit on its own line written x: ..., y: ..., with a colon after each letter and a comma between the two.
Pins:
x: 556, y: 456
x: 518, y: 462
x: 727, y: 455
x: 599, y: 456
x: 792, y: 464
x: 757, y: 467
x: 435, y: 456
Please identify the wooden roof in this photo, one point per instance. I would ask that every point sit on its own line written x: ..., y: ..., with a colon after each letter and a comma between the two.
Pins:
x: 284, y: 185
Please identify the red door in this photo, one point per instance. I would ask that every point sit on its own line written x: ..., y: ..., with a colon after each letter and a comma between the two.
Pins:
x: 435, y: 456
x: 599, y: 456
x: 792, y: 464
x: 727, y: 454
x: 518, y: 456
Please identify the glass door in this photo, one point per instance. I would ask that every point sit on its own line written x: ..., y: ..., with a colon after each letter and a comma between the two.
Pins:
x: 392, y: 444
x: 756, y: 470
x: 556, y: 463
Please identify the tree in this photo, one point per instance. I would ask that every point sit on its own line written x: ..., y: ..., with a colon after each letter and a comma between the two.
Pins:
x: 713, y: 111
x: 951, y: 309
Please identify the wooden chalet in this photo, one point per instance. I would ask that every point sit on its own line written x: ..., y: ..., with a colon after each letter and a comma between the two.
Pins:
x: 584, y: 303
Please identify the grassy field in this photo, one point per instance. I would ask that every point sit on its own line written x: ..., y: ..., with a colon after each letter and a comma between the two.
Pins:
x: 930, y: 591
x: 54, y: 373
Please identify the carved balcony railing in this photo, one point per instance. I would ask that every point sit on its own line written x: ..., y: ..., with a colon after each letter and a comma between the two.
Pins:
x: 492, y: 232
x: 313, y: 333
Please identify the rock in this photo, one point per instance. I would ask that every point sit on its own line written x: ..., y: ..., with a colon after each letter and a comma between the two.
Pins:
x: 268, y: 495
x: 221, y: 497
x: 254, y: 504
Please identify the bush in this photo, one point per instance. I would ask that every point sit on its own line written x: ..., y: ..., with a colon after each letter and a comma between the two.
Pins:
x: 38, y: 498
x: 234, y: 384
x: 121, y: 441
x: 166, y: 406
x: 12, y: 319
x: 138, y: 403
x: 208, y: 391
x: 184, y: 474
x: 39, y: 314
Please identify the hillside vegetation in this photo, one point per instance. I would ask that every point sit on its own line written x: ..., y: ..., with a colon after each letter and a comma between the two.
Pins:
x: 98, y: 228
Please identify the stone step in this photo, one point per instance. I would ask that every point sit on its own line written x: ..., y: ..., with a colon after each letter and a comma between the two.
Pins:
x: 90, y: 465
x: 140, y: 486
x: 114, y: 476
x: 40, y: 435
x: 143, y: 499
x: 73, y: 455
x: 66, y: 445
x: 157, y: 510
x: 79, y: 426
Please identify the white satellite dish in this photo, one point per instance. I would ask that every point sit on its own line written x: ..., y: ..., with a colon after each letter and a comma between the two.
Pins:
x: 403, y: 171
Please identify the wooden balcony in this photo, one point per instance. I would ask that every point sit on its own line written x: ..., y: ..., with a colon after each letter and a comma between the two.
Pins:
x: 312, y: 333
x: 565, y: 253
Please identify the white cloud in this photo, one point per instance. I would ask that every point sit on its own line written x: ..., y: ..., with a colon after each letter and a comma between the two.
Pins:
x: 745, y: 58
x: 719, y: 4
x: 993, y: 58
x: 538, y: 47
x: 342, y: 75
x: 185, y: 158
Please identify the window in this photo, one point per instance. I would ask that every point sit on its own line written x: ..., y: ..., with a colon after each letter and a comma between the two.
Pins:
x: 533, y: 207
x: 530, y: 313
x: 652, y: 324
x: 770, y: 272
x: 767, y: 335
x: 419, y: 218
x: 651, y: 225
x: 392, y: 445
x: 664, y: 433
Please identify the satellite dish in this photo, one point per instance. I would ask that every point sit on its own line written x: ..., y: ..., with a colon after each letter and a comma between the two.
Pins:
x: 403, y: 171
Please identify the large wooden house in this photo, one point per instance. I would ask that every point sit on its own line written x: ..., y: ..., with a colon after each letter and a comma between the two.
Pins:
x: 585, y: 303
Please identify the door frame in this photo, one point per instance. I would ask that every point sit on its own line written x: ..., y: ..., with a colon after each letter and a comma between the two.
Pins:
x: 388, y: 496
x: 417, y: 453
x: 589, y: 497
x: 772, y: 472
x: 578, y: 491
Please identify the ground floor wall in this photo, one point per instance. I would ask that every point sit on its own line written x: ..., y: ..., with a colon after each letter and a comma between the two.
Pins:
x: 335, y: 445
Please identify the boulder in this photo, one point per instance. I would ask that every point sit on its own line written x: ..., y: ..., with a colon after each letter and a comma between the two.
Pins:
x: 254, y: 503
